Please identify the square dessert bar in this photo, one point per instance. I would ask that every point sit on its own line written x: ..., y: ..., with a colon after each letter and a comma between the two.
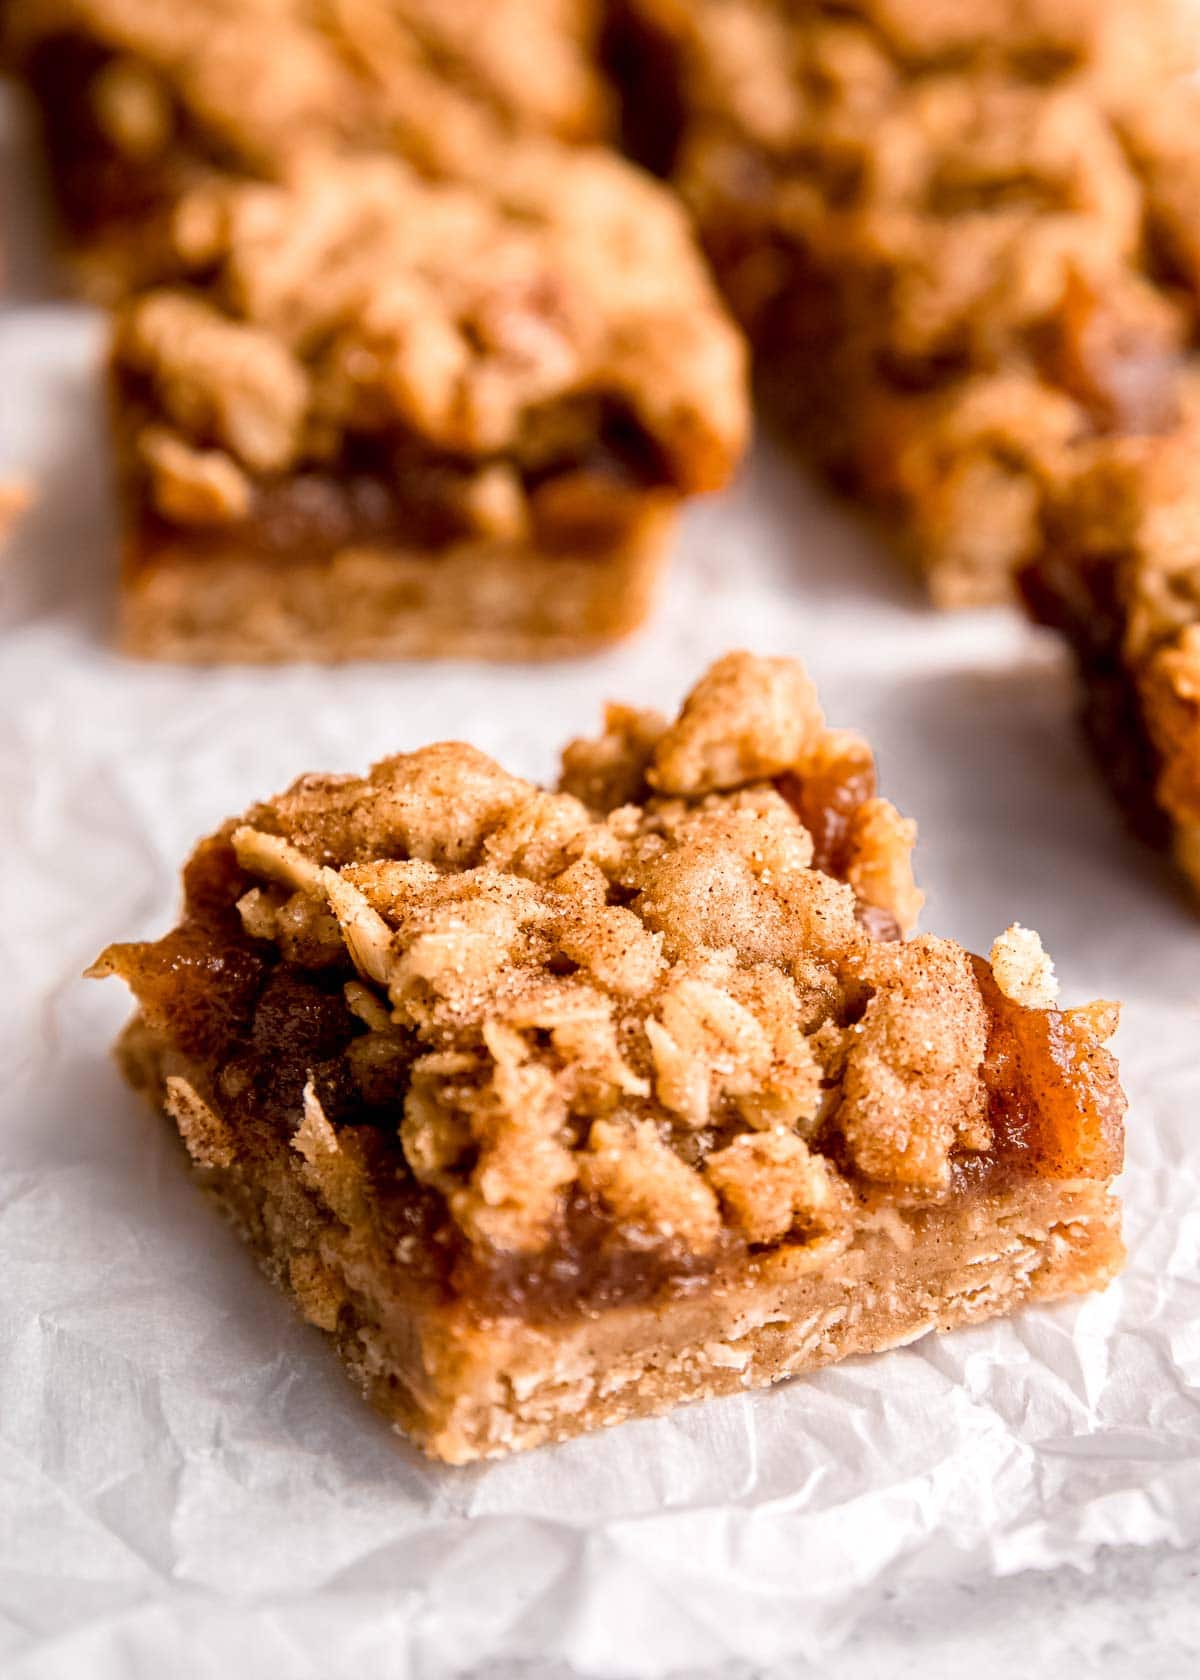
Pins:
x: 1120, y: 576
x: 140, y: 100
x: 962, y: 237
x: 372, y: 416
x: 559, y: 1108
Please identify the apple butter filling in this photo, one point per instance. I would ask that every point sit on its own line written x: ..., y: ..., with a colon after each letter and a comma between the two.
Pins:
x: 595, y: 1044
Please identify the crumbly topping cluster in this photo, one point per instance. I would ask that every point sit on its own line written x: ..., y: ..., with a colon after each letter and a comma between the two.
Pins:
x: 360, y: 303
x: 1130, y: 515
x: 1022, y: 968
x: 638, y: 985
x: 990, y: 209
x: 255, y: 82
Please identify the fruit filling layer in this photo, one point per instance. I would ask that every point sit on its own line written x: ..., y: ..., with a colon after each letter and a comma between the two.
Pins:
x: 584, y: 1045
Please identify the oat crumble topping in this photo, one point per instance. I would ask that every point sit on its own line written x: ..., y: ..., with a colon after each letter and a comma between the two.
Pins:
x: 251, y: 83
x: 967, y: 230
x: 636, y: 995
x: 359, y: 309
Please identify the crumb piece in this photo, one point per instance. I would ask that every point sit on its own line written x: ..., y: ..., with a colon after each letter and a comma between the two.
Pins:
x: 654, y: 1195
x: 747, y: 718
x: 193, y: 486
x: 329, y: 1166
x: 879, y: 845
x: 214, y: 376
x: 770, y: 1183
x: 1023, y: 969
x: 209, y: 1140
x: 609, y: 770
x: 319, y: 1290
x: 913, y: 1088
x: 514, y: 1195
x: 611, y: 944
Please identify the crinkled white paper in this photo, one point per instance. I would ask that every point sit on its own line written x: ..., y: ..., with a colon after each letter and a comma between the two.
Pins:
x: 188, y: 1485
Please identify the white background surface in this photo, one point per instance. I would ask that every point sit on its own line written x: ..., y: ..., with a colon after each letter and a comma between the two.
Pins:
x: 188, y: 1486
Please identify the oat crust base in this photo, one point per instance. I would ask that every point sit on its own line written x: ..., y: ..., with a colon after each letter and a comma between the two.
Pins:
x: 466, y: 1387
x: 479, y: 599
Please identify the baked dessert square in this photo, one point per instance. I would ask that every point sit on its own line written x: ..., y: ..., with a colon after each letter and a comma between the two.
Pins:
x: 961, y: 237
x: 1119, y: 576
x: 370, y: 416
x: 559, y: 1108
x: 141, y: 100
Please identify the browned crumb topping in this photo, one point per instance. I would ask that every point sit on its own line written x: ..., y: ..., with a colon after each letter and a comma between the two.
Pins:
x: 479, y: 349
x: 1120, y: 575
x: 964, y: 233
x: 1023, y: 970
x: 620, y: 1027
x: 250, y: 83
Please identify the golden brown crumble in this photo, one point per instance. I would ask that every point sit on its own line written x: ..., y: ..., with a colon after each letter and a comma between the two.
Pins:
x: 771, y: 1183
x: 1023, y: 969
x: 208, y: 1139
x: 253, y: 82
x: 506, y: 334
x: 1120, y: 575
x: 636, y: 994
x: 964, y: 234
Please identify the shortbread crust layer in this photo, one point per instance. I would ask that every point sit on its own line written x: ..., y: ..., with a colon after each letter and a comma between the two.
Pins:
x: 464, y: 1386
x: 477, y: 598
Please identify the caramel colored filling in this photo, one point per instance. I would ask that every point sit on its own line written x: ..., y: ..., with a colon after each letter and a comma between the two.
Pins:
x: 256, y: 1028
x: 260, y: 1028
x: 826, y: 803
x: 1055, y: 1103
x: 579, y: 477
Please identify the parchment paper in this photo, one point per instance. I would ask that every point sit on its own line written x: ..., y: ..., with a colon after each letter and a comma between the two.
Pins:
x: 188, y: 1486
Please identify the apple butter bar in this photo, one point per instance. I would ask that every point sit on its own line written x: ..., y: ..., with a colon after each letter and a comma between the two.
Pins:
x: 139, y: 100
x: 559, y: 1108
x: 1119, y: 575
x: 960, y: 235
x: 368, y: 415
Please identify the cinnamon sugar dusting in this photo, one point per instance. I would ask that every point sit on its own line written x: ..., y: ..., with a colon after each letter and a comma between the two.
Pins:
x: 634, y: 1001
